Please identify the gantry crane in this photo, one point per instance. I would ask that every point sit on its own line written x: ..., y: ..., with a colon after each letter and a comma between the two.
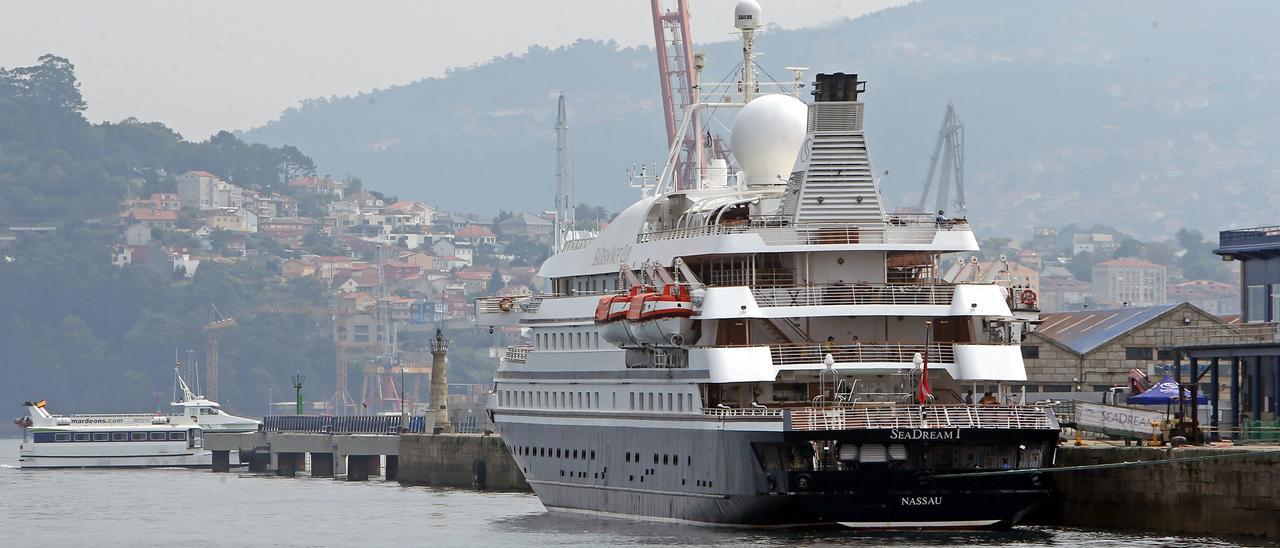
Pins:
x: 950, y: 147
x: 217, y: 322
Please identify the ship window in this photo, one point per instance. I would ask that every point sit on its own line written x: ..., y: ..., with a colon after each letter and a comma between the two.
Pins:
x: 61, y: 437
x: 138, y: 436
x: 659, y: 402
x: 557, y: 453
x: 157, y: 436
x: 651, y: 401
x: 655, y: 458
x: 580, y: 400
x: 690, y: 396
x: 81, y: 436
x: 101, y: 436
x: 593, y: 454
x: 177, y: 436
x: 664, y: 459
x: 119, y: 436
x: 675, y: 460
x: 669, y: 408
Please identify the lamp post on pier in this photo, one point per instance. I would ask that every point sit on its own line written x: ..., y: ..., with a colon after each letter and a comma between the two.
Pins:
x: 297, y: 388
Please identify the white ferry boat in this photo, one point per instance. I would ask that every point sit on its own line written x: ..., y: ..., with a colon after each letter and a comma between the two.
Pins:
x: 126, y: 440
x: 772, y: 349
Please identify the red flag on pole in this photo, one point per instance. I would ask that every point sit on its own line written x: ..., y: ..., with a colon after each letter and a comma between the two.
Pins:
x: 923, y: 392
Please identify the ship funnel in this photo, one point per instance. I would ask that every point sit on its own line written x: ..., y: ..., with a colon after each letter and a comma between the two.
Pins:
x: 766, y: 137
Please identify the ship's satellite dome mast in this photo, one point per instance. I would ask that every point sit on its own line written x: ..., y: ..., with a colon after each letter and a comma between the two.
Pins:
x: 766, y: 138
x: 746, y: 15
x: 746, y: 18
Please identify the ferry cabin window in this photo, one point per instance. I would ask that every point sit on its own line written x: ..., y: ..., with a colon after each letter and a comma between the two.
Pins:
x: 1031, y: 352
x: 61, y: 437
x: 157, y: 436
x: 81, y: 436
x: 119, y: 436
x: 177, y: 436
x: 138, y: 436
x: 1138, y: 353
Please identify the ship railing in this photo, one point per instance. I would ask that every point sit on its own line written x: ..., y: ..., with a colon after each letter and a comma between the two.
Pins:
x: 855, y: 294
x: 787, y: 233
x: 114, y: 415
x: 741, y: 412
x: 517, y: 353
x: 923, y: 417
x: 860, y: 352
x: 355, y: 424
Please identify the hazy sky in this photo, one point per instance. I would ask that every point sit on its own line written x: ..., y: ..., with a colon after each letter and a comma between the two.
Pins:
x: 233, y: 64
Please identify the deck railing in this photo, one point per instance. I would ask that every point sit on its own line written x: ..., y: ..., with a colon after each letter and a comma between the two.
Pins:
x: 1219, y: 335
x: 869, y: 352
x: 783, y: 233
x: 855, y: 294
x: 517, y: 353
x: 1026, y: 417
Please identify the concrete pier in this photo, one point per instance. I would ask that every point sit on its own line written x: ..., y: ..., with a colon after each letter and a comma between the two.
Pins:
x: 356, y: 456
x: 472, y: 461
x: 1226, y: 497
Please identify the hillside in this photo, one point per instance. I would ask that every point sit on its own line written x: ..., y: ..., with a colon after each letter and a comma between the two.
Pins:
x: 1090, y: 112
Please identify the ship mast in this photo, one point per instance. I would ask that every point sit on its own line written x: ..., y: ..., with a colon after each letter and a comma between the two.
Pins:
x: 563, y: 224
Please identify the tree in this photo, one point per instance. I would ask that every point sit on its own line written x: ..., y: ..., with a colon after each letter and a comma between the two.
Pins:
x: 293, y: 164
x: 1081, y: 266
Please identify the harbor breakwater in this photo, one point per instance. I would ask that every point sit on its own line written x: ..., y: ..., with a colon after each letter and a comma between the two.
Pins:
x: 459, y: 460
x: 1234, y: 496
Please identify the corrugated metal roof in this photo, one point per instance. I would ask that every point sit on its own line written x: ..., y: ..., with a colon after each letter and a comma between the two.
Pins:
x: 1084, y: 331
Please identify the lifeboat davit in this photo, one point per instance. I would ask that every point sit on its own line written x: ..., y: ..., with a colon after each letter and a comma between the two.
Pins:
x: 650, y: 318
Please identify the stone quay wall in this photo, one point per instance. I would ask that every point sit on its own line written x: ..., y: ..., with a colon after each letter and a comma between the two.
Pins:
x: 472, y: 461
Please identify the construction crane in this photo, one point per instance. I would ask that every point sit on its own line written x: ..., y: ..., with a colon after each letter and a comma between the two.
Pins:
x: 218, y: 321
x: 679, y: 78
x: 950, y: 147
x: 341, y: 402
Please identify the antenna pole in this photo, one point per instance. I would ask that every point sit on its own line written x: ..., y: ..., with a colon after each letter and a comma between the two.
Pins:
x: 563, y: 224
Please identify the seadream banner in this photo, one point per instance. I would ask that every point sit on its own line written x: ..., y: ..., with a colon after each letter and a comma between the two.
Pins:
x: 1116, y: 420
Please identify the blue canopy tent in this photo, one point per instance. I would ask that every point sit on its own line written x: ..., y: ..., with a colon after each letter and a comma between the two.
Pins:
x: 1164, y: 392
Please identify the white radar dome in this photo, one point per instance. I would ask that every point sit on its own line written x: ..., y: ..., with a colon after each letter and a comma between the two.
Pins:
x: 746, y: 15
x: 767, y: 136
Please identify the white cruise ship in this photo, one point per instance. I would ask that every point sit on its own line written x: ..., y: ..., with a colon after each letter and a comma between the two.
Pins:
x: 126, y: 440
x: 772, y: 348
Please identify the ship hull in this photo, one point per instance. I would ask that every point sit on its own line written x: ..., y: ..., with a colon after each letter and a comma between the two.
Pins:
x: 701, y: 472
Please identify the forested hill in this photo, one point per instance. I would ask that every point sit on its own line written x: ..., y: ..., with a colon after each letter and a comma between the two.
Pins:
x: 90, y: 336
x: 1145, y: 115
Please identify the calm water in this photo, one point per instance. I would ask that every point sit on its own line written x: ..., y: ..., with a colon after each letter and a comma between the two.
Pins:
x: 199, y: 508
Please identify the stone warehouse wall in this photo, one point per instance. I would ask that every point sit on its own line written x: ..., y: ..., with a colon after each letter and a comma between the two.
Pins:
x: 1229, y: 497
x: 459, y: 460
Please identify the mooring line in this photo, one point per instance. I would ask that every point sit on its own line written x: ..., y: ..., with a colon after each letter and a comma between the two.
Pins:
x: 1108, y: 465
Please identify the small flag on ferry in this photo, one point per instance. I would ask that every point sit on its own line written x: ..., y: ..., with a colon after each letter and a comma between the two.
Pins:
x: 40, y: 404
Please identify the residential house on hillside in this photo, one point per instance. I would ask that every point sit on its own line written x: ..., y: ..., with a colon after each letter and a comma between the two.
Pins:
x: 527, y: 225
x: 452, y: 262
x: 1213, y: 297
x: 121, y: 255
x: 288, y: 232
x: 1094, y: 350
x: 448, y: 248
x: 160, y: 201
x: 1097, y: 244
x: 421, y: 260
x: 319, y: 185
x: 368, y: 201
x: 162, y: 219
x: 184, y: 264
x: 475, y: 235
x: 1129, y: 282
x: 235, y: 219
x: 327, y: 267
x: 456, y: 221
x: 419, y: 213
x: 297, y: 268
x: 399, y: 270
x: 203, y: 190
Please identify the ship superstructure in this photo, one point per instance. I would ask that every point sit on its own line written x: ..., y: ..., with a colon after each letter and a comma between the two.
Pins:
x: 771, y: 348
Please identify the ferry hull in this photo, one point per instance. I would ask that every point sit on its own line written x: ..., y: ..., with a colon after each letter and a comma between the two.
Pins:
x: 33, y: 456
x: 714, y: 476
